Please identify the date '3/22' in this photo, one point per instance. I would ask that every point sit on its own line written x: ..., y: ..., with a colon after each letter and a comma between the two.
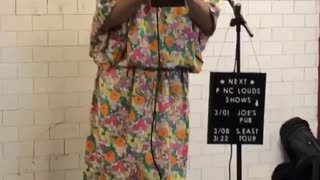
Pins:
x: 221, y: 138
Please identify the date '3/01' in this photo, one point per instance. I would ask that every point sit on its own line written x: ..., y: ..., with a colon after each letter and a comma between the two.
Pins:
x: 241, y: 112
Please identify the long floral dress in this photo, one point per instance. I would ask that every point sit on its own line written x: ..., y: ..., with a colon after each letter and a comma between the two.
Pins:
x: 139, y: 120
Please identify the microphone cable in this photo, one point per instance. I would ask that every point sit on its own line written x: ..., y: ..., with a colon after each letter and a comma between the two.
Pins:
x: 154, y: 120
x: 230, y: 160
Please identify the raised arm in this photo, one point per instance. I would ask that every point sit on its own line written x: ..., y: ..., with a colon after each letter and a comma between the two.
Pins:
x: 204, y: 15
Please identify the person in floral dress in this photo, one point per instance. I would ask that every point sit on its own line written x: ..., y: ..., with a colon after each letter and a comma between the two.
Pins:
x: 139, y: 120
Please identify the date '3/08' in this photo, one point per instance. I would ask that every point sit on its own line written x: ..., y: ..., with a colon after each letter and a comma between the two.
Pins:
x: 239, y: 131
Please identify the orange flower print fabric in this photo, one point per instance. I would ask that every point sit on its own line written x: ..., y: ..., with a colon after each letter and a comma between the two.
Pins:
x: 151, y: 34
x: 139, y: 120
x: 128, y: 106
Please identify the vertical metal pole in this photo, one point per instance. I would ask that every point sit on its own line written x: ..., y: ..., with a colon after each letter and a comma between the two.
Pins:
x: 238, y: 55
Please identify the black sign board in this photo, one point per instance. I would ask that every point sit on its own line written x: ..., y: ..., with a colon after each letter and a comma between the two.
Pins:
x: 236, y: 108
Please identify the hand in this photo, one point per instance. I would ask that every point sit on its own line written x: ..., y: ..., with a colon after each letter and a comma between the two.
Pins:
x: 201, y: 15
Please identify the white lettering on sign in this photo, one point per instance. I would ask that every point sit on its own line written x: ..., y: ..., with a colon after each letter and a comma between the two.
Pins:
x: 243, y: 112
x: 221, y: 138
x: 235, y: 81
x: 245, y: 120
x: 247, y: 139
x: 221, y: 131
x: 249, y: 91
x: 228, y: 90
x: 221, y: 112
x: 238, y: 100
x: 247, y: 131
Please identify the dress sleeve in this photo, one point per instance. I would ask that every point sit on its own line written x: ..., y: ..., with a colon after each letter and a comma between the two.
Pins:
x: 215, y: 8
x: 104, y: 8
x: 99, y: 39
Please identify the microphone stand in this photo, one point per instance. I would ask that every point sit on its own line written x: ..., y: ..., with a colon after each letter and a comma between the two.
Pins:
x: 238, y: 21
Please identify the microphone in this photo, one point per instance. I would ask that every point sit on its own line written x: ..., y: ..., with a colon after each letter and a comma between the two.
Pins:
x: 167, y: 3
x: 239, y: 19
